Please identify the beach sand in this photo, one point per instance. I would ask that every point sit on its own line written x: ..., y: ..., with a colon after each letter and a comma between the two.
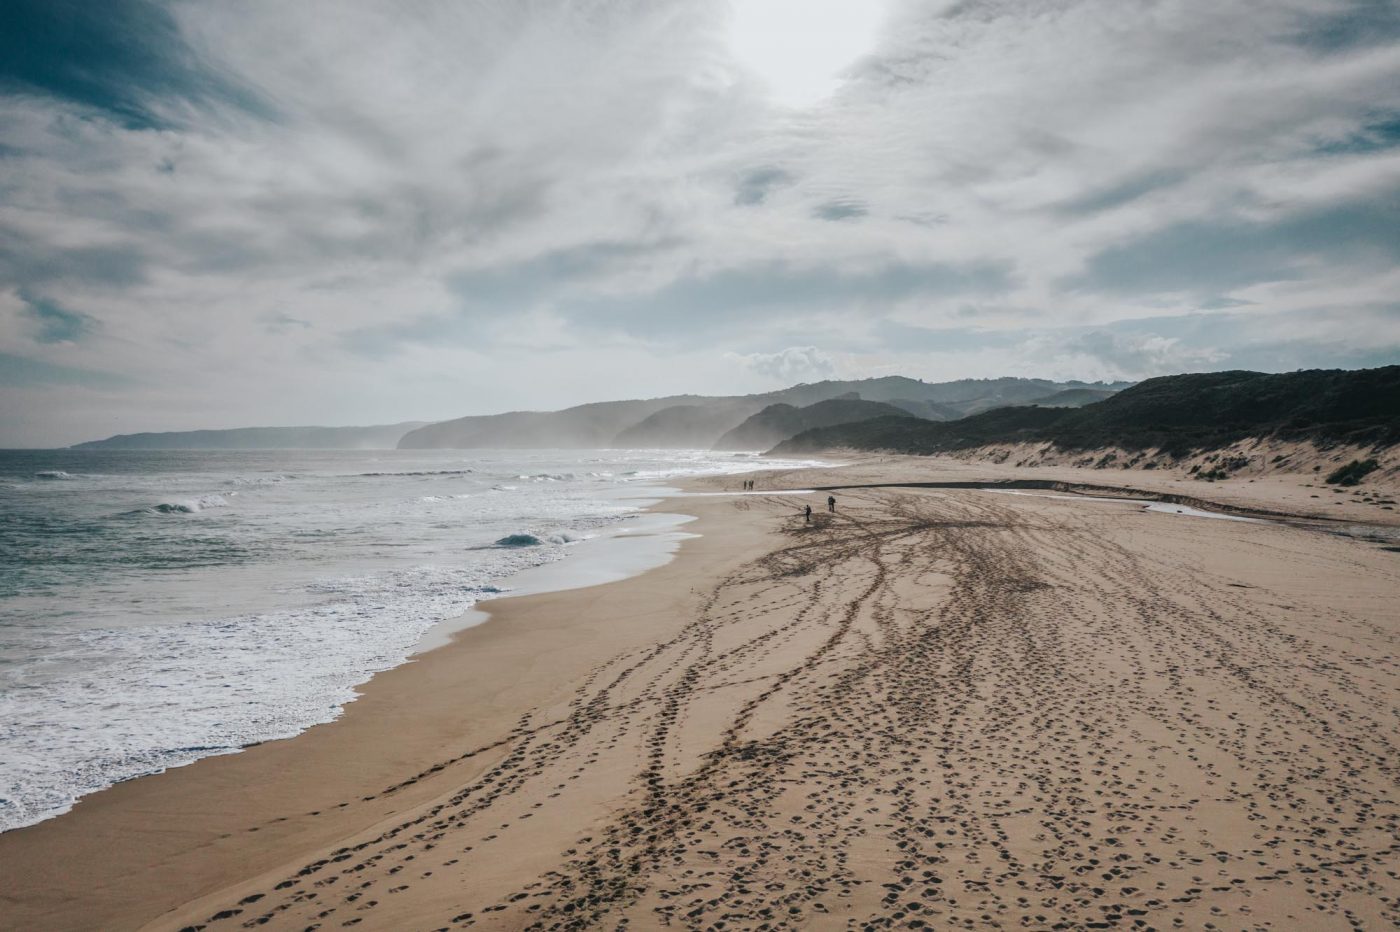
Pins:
x: 936, y: 708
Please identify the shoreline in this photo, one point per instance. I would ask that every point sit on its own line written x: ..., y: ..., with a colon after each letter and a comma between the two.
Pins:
x: 615, y: 547
x: 119, y: 809
x: 609, y: 557
x: 228, y: 828
x: 146, y: 636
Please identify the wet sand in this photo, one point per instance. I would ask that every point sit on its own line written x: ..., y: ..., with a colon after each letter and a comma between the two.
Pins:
x: 933, y: 709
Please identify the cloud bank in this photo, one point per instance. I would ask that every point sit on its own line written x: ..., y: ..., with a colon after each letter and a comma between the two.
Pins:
x: 794, y: 364
x: 350, y: 213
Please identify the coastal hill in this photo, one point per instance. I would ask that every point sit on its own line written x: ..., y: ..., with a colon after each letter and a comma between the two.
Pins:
x: 588, y: 426
x: 778, y: 422
x: 687, y: 427
x: 929, y: 410
x: 1161, y: 421
x: 378, y: 437
x: 1072, y: 398
x: 691, y: 421
x: 673, y: 422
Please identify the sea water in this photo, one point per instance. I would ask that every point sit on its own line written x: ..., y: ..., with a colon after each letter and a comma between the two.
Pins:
x: 160, y: 607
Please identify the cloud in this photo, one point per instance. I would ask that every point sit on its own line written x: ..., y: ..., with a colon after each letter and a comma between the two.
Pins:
x: 22, y: 371
x: 840, y: 210
x: 124, y: 58
x: 54, y: 323
x: 274, y: 208
x: 279, y: 322
x: 747, y: 298
x: 1347, y: 25
x: 1203, y: 256
x: 1133, y: 349
x: 1125, y: 356
x: 794, y: 364
x: 755, y: 186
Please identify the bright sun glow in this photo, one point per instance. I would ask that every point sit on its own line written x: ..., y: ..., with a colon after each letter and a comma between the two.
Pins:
x: 799, y: 47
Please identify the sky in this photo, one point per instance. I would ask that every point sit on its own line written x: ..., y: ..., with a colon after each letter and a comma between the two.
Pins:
x: 339, y: 212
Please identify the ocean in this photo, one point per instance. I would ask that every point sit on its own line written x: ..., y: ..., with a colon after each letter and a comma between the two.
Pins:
x: 160, y: 607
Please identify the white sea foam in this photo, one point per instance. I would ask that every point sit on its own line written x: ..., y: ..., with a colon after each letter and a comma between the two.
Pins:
x: 159, y: 696
x: 417, y: 473
x: 519, y: 540
x: 189, y: 506
x: 544, y: 537
x: 171, y: 635
x: 257, y: 481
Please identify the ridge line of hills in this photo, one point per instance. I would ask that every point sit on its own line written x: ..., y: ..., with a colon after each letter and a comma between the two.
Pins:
x: 1155, y: 423
x: 678, y: 421
x: 700, y: 422
x: 374, y: 437
x: 1158, y: 422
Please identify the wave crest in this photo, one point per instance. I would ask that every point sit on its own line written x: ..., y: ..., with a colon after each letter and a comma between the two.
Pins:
x: 423, y: 472
x: 519, y: 540
x: 537, y: 540
x: 190, y: 506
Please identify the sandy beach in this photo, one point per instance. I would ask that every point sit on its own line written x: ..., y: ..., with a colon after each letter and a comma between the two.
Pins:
x: 936, y: 708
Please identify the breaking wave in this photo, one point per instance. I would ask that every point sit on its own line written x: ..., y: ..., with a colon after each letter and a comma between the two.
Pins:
x: 258, y: 480
x: 190, y: 506
x: 519, y: 540
x: 537, y: 540
x: 326, y: 580
x: 422, y: 472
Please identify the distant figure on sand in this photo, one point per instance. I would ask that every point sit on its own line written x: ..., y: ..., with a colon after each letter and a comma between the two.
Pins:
x: 831, y: 503
x: 809, y: 514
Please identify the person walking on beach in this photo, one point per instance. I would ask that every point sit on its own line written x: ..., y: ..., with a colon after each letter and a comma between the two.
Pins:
x: 809, y: 514
x: 831, y: 503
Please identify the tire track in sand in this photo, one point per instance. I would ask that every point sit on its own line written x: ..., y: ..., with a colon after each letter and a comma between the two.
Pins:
x: 929, y: 711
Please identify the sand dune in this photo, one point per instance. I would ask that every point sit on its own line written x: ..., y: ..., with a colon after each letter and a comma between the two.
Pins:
x: 933, y: 709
